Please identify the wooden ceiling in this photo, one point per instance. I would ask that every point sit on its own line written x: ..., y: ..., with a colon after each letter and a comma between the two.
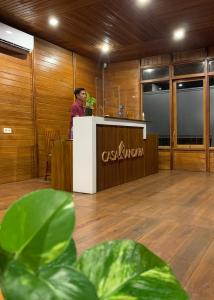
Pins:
x: 133, y: 31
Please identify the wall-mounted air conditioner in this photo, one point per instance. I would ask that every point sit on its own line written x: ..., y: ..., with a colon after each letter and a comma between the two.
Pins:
x: 14, y: 39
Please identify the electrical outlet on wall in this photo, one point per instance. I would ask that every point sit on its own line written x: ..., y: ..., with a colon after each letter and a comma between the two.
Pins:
x: 7, y: 130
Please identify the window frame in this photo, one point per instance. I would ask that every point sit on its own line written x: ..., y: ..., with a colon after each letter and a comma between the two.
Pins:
x: 175, y: 137
x: 169, y: 107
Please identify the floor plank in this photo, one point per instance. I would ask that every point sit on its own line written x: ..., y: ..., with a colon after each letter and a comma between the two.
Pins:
x: 171, y: 212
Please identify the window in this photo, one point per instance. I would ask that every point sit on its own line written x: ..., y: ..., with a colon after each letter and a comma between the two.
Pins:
x: 156, y: 110
x: 191, y: 68
x: 189, y: 106
x: 154, y: 73
x: 211, y: 66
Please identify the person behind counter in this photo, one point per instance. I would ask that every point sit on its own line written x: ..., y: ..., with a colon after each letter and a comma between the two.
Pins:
x: 77, y: 108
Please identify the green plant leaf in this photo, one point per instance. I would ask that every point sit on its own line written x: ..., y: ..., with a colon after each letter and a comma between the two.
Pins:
x: 38, y: 227
x: 67, y: 257
x: 52, y: 283
x: 126, y: 270
x: 5, y: 258
x: 90, y: 101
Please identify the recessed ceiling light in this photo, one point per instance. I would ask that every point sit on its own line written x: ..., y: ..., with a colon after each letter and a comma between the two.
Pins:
x: 143, y: 2
x: 53, y: 21
x: 179, y: 34
x: 8, y: 31
x: 105, y: 48
x: 180, y: 85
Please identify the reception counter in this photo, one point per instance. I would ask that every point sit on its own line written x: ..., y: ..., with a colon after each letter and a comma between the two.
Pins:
x: 110, y: 151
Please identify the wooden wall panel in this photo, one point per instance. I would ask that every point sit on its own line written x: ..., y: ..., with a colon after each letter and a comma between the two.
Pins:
x: 16, y: 112
x: 164, y: 159
x: 53, y: 92
x: 190, y: 160
x: 37, y: 93
x: 177, y: 57
x: 211, y: 160
x: 88, y: 74
x: 158, y: 60
x: 192, y: 55
x: 151, y: 154
x: 121, y: 86
x: 210, y: 52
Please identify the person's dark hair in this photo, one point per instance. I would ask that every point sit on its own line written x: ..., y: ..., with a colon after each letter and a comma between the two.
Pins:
x: 77, y: 91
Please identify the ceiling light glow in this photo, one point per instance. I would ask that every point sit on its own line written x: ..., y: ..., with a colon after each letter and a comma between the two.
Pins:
x: 180, y: 85
x: 143, y: 2
x: 105, y: 48
x: 179, y: 34
x: 53, y: 21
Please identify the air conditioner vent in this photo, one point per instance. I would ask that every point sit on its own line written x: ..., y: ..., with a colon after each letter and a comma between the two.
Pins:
x: 12, y: 38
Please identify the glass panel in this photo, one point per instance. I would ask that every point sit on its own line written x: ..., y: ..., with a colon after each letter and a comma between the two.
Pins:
x: 211, y: 112
x: 211, y: 66
x: 190, y: 113
x: 155, y: 73
x: 156, y: 110
x: 185, y: 69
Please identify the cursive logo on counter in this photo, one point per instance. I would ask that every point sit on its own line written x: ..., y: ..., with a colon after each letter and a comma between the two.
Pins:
x: 122, y: 153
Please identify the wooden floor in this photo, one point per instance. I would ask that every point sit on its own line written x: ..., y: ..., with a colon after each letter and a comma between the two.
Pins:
x: 172, y: 213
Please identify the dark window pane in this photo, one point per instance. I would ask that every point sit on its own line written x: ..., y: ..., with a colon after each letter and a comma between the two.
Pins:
x: 211, y: 112
x: 156, y: 110
x: 157, y: 86
x: 190, y: 113
x: 154, y: 73
x: 189, y: 84
x: 192, y: 68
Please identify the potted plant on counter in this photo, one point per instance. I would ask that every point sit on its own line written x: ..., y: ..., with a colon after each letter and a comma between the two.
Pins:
x: 38, y: 258
x: 90, y: 102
